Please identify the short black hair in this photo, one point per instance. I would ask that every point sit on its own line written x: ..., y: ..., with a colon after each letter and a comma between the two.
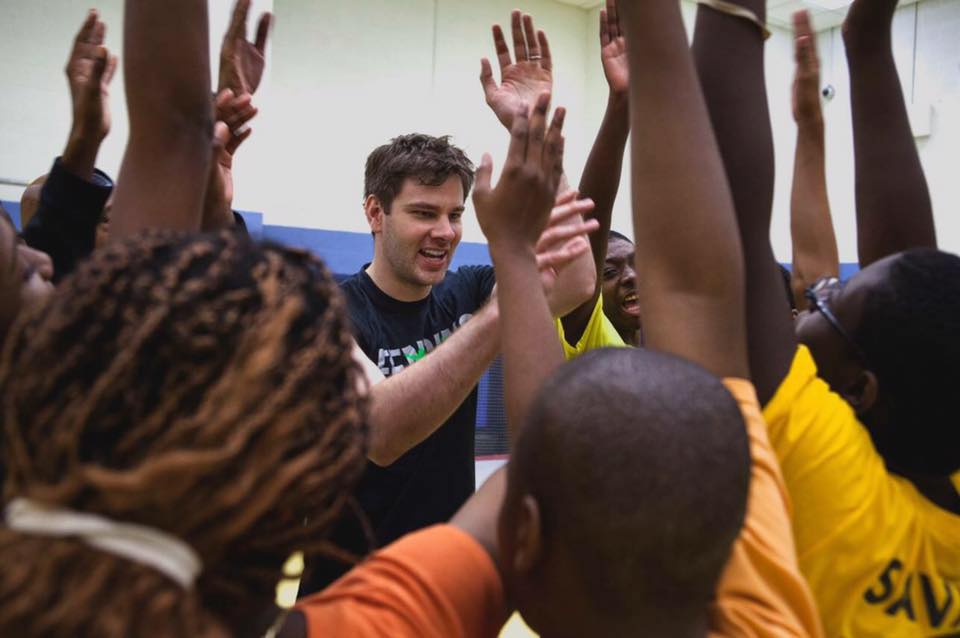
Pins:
x: 432, y: 160
x: 612, y: 234
x: 909, y: 331
x: 640, y: 463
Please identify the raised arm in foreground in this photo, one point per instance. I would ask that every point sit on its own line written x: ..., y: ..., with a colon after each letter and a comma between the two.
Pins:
x: 167, y: 74
x: 686, y: 236
x: 728, y: 52
x: 894, y: 211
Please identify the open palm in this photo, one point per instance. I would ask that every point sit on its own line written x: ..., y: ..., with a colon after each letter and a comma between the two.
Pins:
x: 523, y: 80
x: 613, y: 49
x: 242, y: 62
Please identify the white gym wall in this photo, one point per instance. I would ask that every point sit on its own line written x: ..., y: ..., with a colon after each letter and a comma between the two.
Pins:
x: 345, y: 76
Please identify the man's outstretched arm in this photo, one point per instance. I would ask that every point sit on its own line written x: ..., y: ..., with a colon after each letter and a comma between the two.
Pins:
x: 167, y: 75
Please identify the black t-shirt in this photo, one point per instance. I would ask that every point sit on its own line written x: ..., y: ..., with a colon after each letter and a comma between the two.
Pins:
x: 429, y: 483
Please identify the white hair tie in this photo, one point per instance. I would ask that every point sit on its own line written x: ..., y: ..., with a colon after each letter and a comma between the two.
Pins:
x: 145, y: 545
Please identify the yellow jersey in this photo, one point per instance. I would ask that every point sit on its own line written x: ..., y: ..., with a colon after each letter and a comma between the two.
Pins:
x: 599, y: 333
x: 881, y: 559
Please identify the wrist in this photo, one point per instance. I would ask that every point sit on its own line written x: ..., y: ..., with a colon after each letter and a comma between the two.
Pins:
x: 512, y: 249
x: 80, y: 155
x: 810, y: 129
x: 618, y: 101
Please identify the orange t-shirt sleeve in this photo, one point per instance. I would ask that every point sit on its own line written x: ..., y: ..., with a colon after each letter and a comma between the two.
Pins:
x: 437, y: 582
x: 761, y: 592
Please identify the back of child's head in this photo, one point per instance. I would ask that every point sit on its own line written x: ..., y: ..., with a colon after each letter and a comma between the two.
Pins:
x: 640, y: 464
x: 909, y: 332
x: 200, y: 386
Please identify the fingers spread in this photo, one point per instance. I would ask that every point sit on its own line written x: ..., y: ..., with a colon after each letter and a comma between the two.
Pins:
x: 604, y: 28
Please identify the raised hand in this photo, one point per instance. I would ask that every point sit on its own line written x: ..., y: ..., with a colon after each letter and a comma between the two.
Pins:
x: 242, y: 62
x: 515, y: 213
x: 231, y: 130
x: 565, y: 239
x: 523, y: 80
x: 89, y: 72
x: 806, y: 81
x: 613, y: 50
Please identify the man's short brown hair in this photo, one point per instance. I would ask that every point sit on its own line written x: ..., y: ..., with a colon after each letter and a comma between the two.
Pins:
x: 431, y: 160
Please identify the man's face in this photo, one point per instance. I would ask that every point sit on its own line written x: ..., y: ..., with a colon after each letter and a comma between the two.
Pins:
x: 619, y: 287
x: 422, y: 230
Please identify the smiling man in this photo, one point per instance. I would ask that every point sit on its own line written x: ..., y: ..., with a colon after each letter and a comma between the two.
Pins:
x: 403, y: 305
x: 408, y: 308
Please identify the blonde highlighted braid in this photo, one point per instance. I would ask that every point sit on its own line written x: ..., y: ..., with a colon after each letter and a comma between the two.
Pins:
x: 200, y: 385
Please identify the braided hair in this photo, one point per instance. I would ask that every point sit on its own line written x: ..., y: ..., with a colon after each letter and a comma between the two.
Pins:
x: 204, y: 386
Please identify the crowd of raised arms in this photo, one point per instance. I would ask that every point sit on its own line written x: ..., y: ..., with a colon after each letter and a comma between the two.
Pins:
x: 696, y: 448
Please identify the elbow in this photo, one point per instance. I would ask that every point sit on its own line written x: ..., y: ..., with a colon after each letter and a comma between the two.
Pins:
x: 380, y: 452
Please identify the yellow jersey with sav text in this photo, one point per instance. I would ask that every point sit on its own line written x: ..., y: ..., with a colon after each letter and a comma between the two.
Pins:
x: 880, y: 558
x: 599, y: 333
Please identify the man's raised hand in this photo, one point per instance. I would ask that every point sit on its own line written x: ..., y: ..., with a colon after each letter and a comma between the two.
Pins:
x: 523, y: 80
x: 515, y: 213
x: 89, y: 72
x: 242, y: 62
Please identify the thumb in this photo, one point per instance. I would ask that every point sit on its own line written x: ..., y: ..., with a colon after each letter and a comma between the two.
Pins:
x: 221, y: 136
x: 486, y: 77
x: 484, y: 174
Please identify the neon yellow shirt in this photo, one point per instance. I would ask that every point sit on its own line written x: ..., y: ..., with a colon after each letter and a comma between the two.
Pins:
x: 599, y: 333
x: 881, y: 559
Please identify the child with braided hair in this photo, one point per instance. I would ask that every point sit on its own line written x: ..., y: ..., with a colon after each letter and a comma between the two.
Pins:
x: 186, y: 412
